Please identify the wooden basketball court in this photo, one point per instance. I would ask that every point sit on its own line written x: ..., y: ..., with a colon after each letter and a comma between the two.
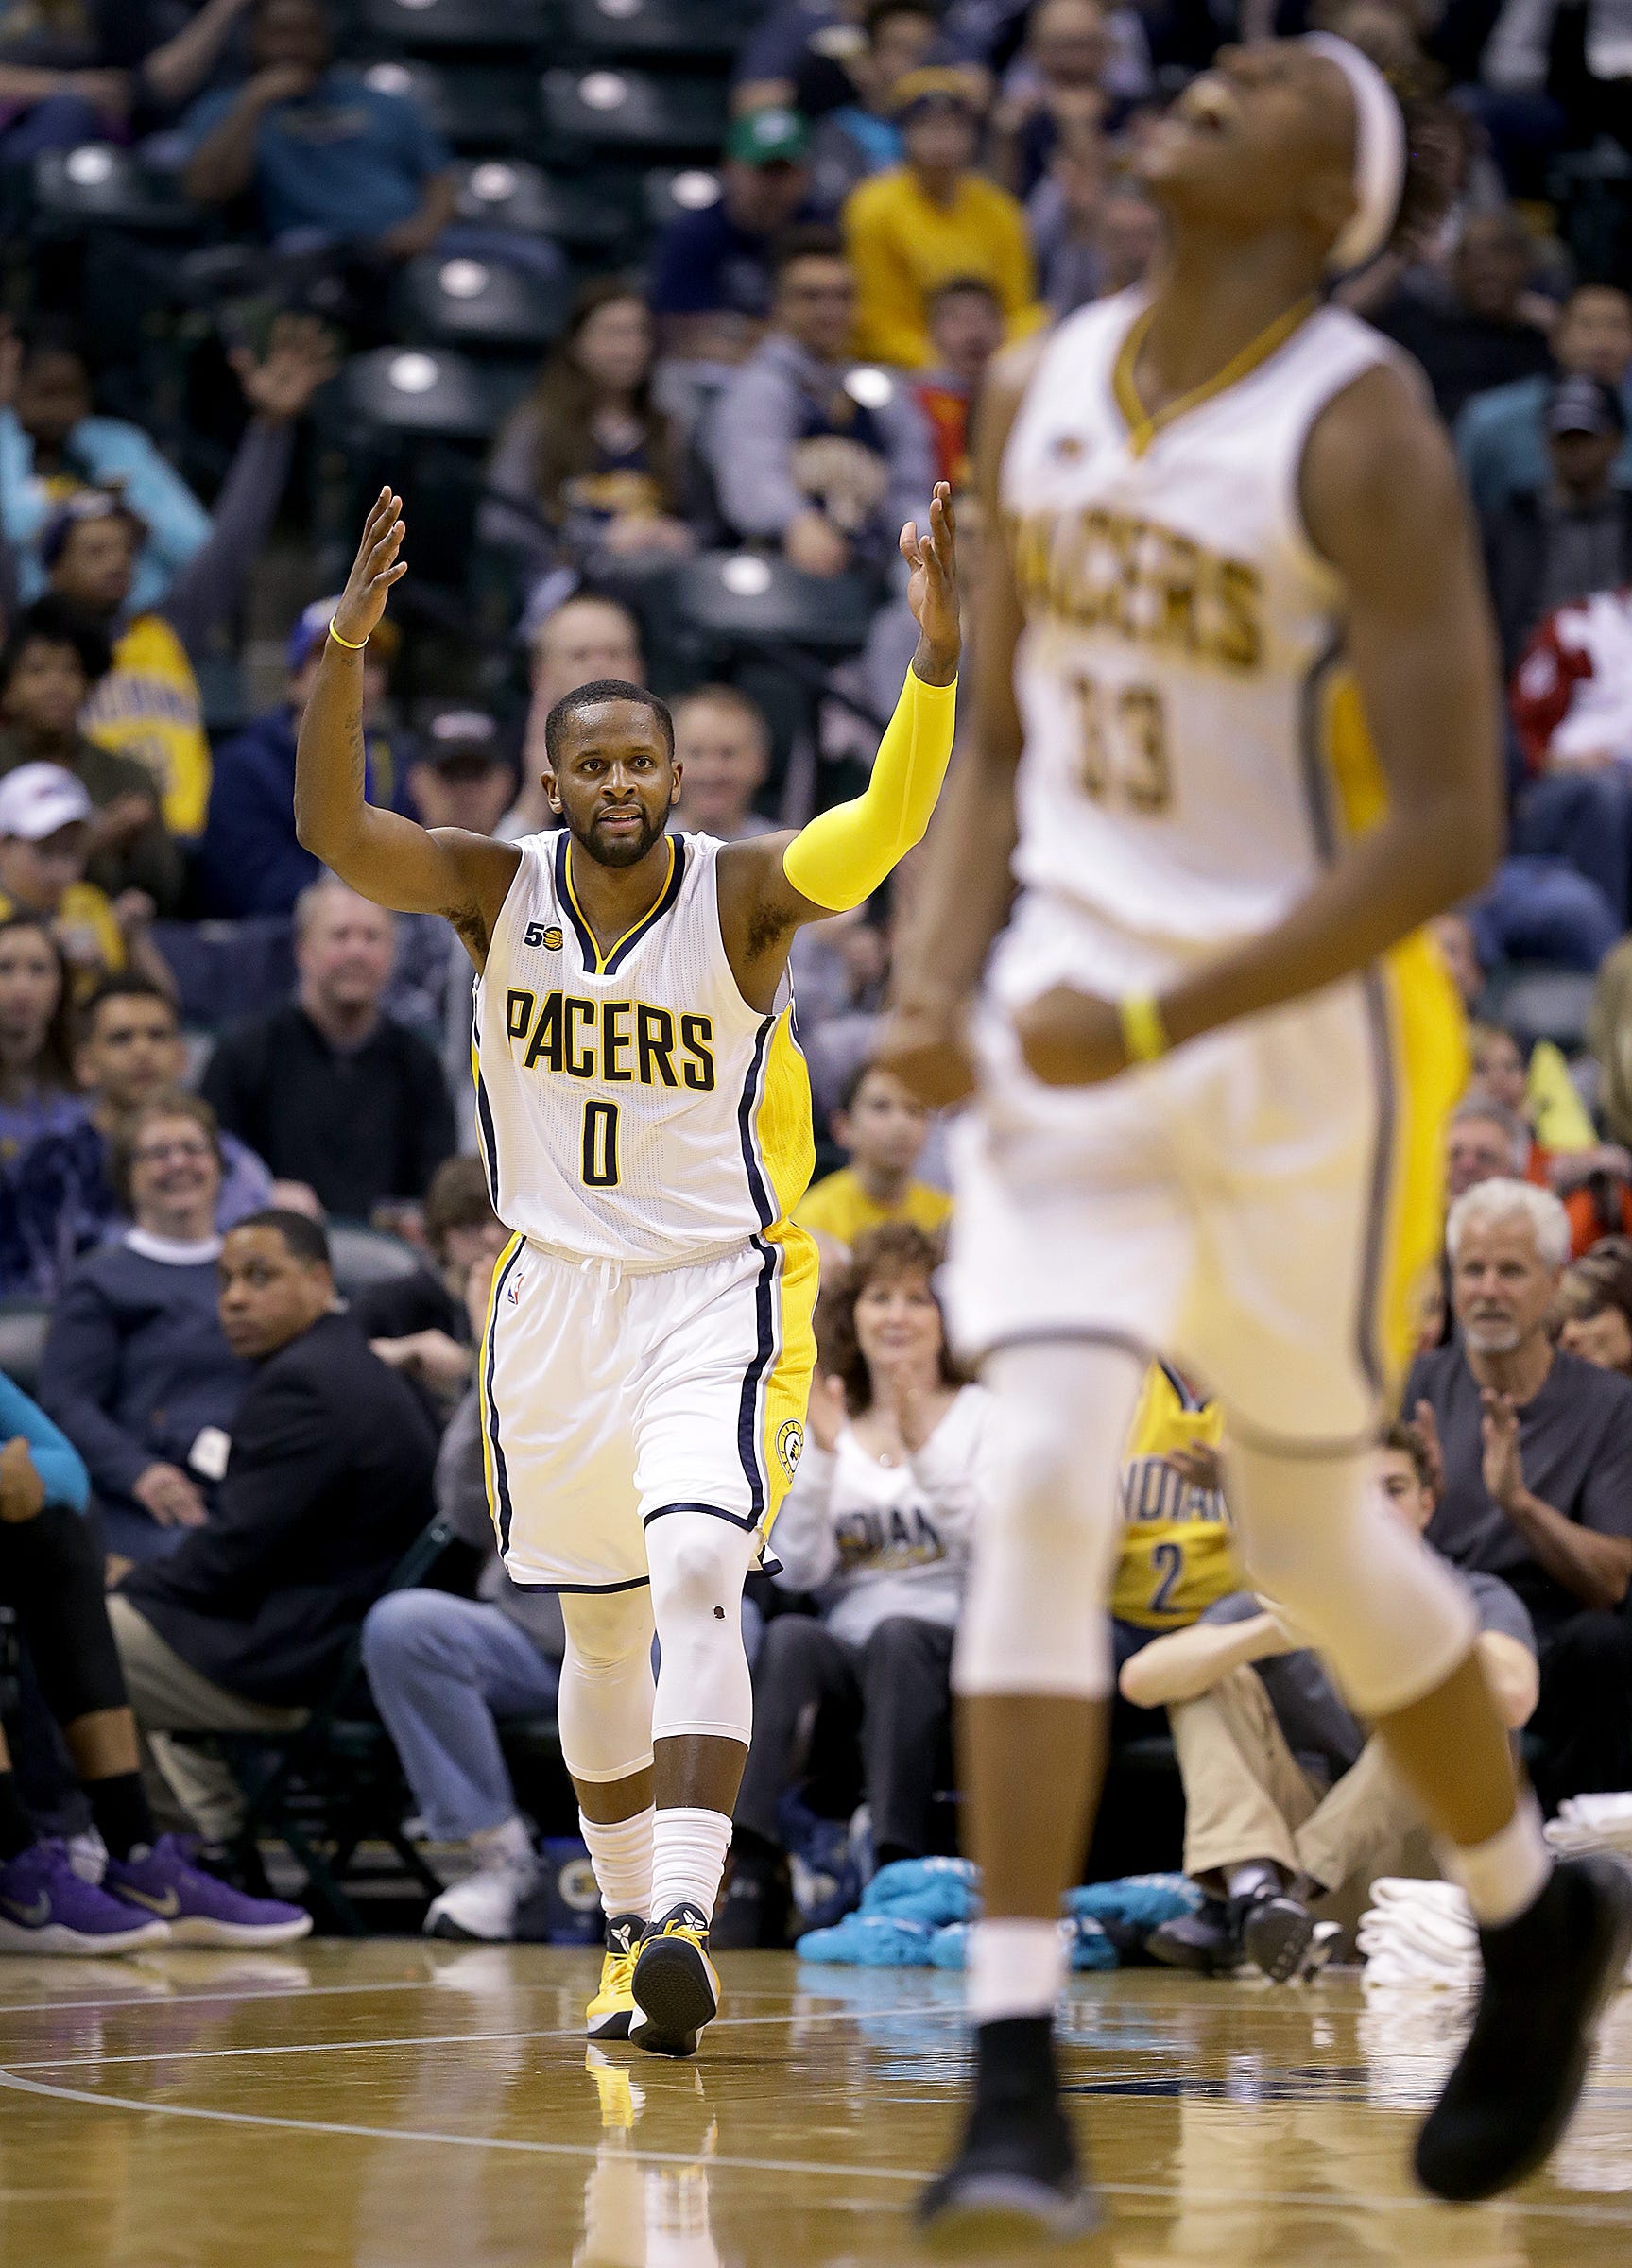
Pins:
x: 401, y: 2105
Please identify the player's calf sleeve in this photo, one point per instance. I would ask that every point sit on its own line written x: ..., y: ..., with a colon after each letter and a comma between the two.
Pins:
x: 698, y: 1563
x: 1035, y: 1618
x: 1390, y: 1617
x: 604, y: 1707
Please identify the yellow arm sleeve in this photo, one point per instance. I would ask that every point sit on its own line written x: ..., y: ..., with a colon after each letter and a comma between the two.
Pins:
x: 843, y: 855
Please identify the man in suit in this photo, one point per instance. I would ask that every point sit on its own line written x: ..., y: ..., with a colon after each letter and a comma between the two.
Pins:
x: 328, y: 1481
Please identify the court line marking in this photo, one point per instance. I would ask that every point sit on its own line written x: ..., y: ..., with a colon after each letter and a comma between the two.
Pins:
x: 1585, y: 2215
x: 437, y: 2039
x: 301, y: 1992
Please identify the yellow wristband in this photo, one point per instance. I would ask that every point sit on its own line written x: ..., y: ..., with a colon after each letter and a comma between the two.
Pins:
x: 1143, y: 1034
x: 351, y: 645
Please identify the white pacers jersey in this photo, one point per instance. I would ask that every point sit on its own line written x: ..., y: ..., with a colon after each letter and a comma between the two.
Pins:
x: 1179, y: 675
x: 631, y: 1107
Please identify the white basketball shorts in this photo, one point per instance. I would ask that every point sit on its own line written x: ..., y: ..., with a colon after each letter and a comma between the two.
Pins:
x: 610, y: 1398
x: 1259, y: 1206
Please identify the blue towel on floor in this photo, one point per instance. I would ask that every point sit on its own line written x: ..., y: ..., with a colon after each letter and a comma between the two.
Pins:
x: 1139, y: 1901
x: 937, y: 1891
x: 869, y: 1941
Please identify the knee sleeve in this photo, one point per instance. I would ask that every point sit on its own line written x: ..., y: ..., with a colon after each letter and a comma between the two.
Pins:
x: 51, y: 1570
x: 604, y: 1705
x: 1035, y: 1619
x: 698, y: 1565
x: 1390, y: 1617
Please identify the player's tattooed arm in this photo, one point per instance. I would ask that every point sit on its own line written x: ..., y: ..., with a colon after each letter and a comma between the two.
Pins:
x: 382, y: 854
x: 778, y: 884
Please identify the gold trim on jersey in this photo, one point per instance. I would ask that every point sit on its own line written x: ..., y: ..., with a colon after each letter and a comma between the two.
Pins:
x: 1144, y: 424
x: 787, y: 1387
x: 659, y: 905
x: 1423, y: 1062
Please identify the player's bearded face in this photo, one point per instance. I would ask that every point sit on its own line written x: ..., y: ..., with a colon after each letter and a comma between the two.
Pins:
x: 616, y: 786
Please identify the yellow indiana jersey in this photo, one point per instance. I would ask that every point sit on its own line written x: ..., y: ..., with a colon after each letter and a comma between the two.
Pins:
x: 1177, y: 1549
x: 148, y: 706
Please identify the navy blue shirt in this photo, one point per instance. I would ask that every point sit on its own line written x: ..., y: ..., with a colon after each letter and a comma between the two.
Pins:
x: 135, y: 1367
x: 704, y: 263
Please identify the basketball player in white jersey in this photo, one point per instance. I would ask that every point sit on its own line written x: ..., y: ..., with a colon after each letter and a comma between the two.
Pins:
x: 645, y: 1121
x: 1236, y: 743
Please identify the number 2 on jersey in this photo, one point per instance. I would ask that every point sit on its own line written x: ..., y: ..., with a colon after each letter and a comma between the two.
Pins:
x: 1124, y: 745
x: 600, y: 1145
x: 1168, y: 1560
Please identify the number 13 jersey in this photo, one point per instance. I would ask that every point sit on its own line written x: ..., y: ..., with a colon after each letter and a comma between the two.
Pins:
x: 1193, y: 751
x: 631, y: 1107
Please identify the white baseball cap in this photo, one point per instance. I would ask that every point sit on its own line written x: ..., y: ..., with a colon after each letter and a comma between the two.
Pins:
x: 38, y: 798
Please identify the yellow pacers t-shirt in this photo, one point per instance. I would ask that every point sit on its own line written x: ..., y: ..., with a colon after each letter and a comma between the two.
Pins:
x: 839, y: 1207
x: 85, y: 927
x: 148, y: 706
x: 1178, y: 1548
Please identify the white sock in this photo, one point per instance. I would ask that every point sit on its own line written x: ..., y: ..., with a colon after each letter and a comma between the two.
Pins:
x: 621, y: 1854
x: 1504, y: 1876
x: 688, y: 1858
x: 1015, y: 1968
x: 507, y: 1844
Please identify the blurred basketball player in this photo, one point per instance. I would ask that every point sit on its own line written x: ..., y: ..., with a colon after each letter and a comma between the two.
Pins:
x: 646, y: 1121
x: 1236, y: 732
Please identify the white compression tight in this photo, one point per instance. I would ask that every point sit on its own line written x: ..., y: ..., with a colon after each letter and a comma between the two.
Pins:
x: 1317, y: 1539
x: 608, y: 1710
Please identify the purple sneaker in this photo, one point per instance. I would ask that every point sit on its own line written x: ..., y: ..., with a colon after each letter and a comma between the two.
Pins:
x: 46, y: 1908
x: 200, y: 1909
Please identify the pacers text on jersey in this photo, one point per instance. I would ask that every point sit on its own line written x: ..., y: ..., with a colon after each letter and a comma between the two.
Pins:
x: 1103, y: 569
x: 621, y: 1040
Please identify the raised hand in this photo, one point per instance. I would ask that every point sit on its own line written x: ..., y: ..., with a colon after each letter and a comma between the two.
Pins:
x: 299, y: 357
x: 829, y: 1414
x: 932, y: 587
x: 375, y: 568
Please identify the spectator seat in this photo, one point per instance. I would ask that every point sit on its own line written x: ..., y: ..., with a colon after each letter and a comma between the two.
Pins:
x: 98, y: 185
x: 508, y: 192
x: 470, y: 26
x: 741, y: 598
x: 670, y: 191
x: 23, y: 1327
x: 1538, y: 1002
x: 400, y: 390
x: 474, y: 107
x: 478, y: 304
x: 691, y: 31
x: 363, y: 1256
x: 633, y: 115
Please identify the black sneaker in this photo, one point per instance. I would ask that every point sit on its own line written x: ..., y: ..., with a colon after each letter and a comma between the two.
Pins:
x: 1276, y: 1935
x: 1016, y: 2178
x: 674, y: 1986
x: 1548, y: 1976
x: 1202, y: 1942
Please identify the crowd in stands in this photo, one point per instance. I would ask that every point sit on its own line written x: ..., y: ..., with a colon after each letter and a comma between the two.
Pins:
x: 255, y: 256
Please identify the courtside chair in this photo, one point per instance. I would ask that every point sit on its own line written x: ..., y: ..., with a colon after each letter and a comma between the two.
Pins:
x: 671, y: 190
x: 632, y: 116
x: 397, y: 392
x: 363, y: 1256
x: 1536, y: 1001
x: 23, y: 1324
x: 336, y: 1783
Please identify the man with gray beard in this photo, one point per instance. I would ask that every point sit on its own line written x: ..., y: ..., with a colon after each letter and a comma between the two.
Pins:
x: 1536, y: 1453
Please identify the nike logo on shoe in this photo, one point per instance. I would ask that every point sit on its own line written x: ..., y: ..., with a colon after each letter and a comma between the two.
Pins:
x: 31, y: 1918
x: 166, y: 1907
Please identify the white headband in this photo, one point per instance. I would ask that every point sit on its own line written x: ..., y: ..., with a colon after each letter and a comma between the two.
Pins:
x: 1378, y: 154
